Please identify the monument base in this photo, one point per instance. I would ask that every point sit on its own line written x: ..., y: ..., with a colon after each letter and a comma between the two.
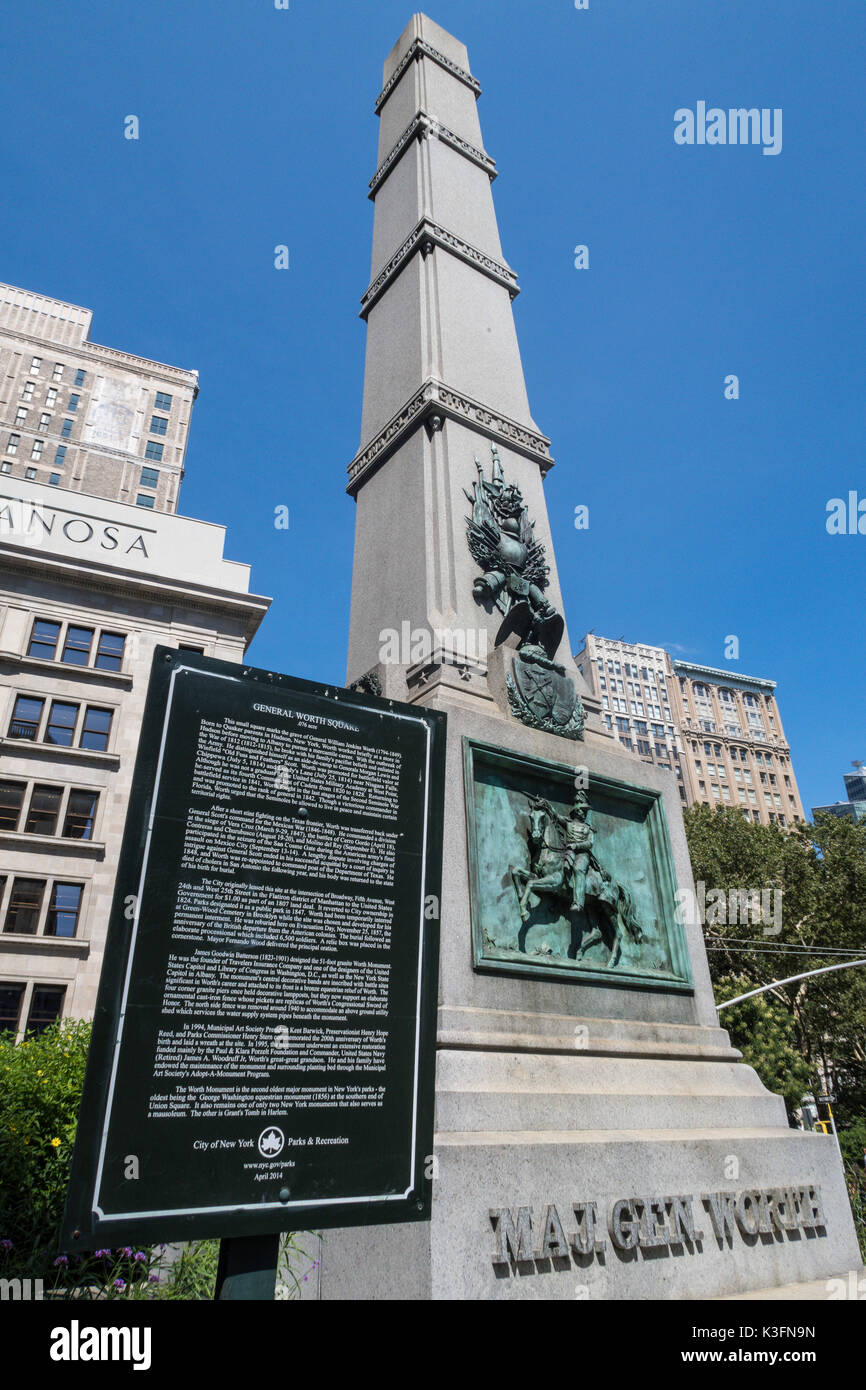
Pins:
x: 657, y: 1152
x: 596, y: 1135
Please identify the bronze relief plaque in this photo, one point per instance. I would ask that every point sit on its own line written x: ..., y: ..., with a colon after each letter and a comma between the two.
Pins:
x: 571, y: 883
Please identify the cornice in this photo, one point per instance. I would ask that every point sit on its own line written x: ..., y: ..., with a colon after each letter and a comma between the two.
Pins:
x: 423, y: 238
x: 185, y: 376
x: 418, y: 49
x: 722, y: 677
x: 435, y: 399
x: 421, y: 127
x: 135, y: 586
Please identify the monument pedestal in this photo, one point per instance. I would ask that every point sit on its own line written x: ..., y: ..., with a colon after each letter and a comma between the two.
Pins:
x: 558, y: 1093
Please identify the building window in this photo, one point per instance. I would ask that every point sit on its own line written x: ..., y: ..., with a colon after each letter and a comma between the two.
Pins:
x: 51, y: 396
x: 10, y: 1006
x: 76, y: 648
x: 96, y: 728
x: 109, y: 651
x: 44, y: 810
x: 25, y: 718
x: 30, y: 473
x: 66, y: 429
x: 163, y: 401
x: 11, y: 801
x: 27, y: 390
x: 149, y: 477
x: 60, y: 456
x: 61, y: 724
x: 25, y: 905
x: 54, y: 479
x: 79, y: 377
x: 45, y: 1007
x: 14, y: 441
x: 63, y: 909
x: 44, y: 422
x: 73, y: 402
x: 35, y: 364
x: 38, y: 446
x: 43, y: 639
x: 158, y: 424
x: 57, y: 374
x: 145, y: 500
x: 154, y: 450
x: 80, y: 815
x: 21, y: 415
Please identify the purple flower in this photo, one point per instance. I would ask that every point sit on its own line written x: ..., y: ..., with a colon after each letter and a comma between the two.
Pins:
x: 61, y: 1260
x: 126, y: 1250
x: 140, y: 1255
x: 153, y: 1278
x: 120, y: 1283
x: 102, y: 1254
x: 5, y: 1245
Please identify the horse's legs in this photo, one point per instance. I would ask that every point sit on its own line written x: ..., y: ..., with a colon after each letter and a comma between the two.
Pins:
x: 518, y: 877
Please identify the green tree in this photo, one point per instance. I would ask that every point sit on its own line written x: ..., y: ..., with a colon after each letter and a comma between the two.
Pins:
x: 764, y: 1031
x: 820, y: 872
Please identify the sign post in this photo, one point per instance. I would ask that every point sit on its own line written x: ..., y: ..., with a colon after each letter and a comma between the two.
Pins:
x: 247, y: 1267
x: 263, y: 1047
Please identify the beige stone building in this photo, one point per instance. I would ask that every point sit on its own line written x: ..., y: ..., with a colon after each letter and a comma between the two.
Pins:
x: 87, y: 418
x: 718, y: 732
x: 91, y: 580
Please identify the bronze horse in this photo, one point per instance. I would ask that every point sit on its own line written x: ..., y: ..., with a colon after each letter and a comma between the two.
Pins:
x: 609, y: 908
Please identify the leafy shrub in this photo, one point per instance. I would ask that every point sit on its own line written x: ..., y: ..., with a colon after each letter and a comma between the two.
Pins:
x: 40, y: 1091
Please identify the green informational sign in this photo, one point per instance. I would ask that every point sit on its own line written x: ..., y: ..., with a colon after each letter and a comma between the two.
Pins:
x: 263, y: 1049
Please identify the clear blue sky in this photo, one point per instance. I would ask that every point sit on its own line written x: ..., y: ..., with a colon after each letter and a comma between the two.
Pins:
x: 257, y: 128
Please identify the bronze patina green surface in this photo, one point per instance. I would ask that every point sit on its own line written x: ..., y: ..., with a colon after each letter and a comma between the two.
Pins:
x: 570, y: 884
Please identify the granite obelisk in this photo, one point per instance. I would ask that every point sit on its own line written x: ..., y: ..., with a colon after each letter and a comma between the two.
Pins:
x: 593, y: 1124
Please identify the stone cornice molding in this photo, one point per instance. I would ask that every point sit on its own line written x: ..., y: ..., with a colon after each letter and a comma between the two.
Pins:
x: 181, y: 375
x: 418, y: 49
x: 134, y: 586
x: 422, y: 127
x: 434, y: 398
x: 424, y: 237
x: 719, y: 677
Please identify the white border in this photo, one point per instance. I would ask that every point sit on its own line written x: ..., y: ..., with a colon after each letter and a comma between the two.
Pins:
x: 260, y: 1206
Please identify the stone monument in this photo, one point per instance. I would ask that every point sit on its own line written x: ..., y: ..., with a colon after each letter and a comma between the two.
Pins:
x: 596, y: 1134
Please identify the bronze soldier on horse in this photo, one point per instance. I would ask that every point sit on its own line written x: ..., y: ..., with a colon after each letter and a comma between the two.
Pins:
x: 563, y: 865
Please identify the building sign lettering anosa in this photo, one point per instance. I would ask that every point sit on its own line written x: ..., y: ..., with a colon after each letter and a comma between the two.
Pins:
x: 655, y: 1223
x: 33, y: 522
